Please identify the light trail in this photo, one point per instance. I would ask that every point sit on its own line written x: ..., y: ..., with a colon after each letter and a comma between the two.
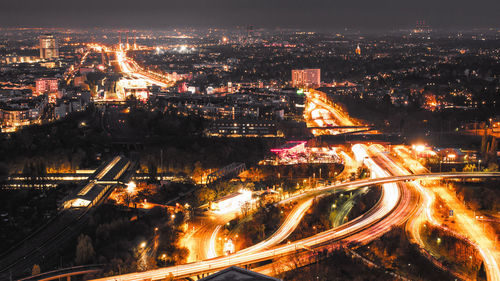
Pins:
x: 131, y: 68
x: 212, y: 253
x: 364, y: 228
x: 320, y: 114
x: 288, y: 226
x: 480, y: 239
x: 468, y: 225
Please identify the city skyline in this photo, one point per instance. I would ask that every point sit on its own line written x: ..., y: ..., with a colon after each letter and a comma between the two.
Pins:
x: 268, y: 140
x: 315, y: 15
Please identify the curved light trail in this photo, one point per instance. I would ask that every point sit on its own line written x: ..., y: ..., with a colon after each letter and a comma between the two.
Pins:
x: 394, y: 208
x: 212, y: 253
x: 478, y: 238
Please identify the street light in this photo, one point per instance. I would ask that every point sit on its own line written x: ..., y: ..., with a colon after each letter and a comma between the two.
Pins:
x: 143, y: 245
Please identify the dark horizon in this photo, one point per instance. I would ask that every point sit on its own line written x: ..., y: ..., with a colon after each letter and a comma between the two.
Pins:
x: 315, y: 14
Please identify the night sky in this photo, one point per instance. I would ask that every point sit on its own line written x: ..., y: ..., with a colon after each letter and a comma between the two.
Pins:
x: 311, y: 14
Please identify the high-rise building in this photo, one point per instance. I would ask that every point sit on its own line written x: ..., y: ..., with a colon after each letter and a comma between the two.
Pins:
x: 48, y: 47
x: 306, y: 77
x: 47, y: 85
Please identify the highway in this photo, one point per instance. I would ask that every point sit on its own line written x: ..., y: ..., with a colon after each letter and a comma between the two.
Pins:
x: 480, y: 239
x: 131, y: 68
x: 387, y: 203
x: 329, y: 111
x: 290, y: 223
x: 324, y: 119
x: 394, y: 208
x: 201, y: 238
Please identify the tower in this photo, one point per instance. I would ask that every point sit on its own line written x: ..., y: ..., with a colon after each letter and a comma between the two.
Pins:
x: 358, y: 50
x: 128, y: 45
x: 48, y: 47
x: 135, y: 42
x: 120, y: 40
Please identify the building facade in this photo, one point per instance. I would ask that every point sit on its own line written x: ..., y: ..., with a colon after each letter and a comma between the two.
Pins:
x: 243, y: 128
x: 46, y: 85
x: 306, y: 77
x: 48, y: 47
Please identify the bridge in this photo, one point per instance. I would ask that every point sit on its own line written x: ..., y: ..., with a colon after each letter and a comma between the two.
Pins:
x: 230, y: 170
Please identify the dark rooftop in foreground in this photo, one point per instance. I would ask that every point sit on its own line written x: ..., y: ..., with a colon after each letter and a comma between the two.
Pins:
x: 238, y: 273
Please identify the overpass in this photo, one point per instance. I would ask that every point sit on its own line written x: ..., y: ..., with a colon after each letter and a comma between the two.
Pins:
x: 364, y: 228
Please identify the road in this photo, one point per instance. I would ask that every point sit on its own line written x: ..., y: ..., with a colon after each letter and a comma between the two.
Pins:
x: 320, y: 114
x: 131, y: 68
x: 201, y: 238
x: 394, y: 208
x: 338, y: 117
x: 467, y: 224
x: 203, y: 243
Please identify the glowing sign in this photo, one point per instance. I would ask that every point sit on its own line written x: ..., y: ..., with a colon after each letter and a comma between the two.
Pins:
x: 291, y: 146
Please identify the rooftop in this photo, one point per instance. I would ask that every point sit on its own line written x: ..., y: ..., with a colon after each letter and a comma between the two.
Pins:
x: 235, y: 273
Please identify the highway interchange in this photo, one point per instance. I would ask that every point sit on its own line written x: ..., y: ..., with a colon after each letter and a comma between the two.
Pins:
x: 403, y: 200
x: 394, y: 208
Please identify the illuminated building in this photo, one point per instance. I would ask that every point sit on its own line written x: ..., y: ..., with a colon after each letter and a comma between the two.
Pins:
x: 46, y: 85
x: 243, y: 128
x: 290, y: 147
x: 88, y: 195
x: 358, y: 50
x: 14, y: 117
x: 20, y: 59
x: 306, y: 77
x: 182, y: 87
x: 48, y: 47
x: 19, y: 115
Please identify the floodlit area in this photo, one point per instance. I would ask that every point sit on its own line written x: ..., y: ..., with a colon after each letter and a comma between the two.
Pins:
x: 231, y: 203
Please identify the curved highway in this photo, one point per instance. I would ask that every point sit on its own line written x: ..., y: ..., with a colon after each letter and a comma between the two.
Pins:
x: 394, y: 208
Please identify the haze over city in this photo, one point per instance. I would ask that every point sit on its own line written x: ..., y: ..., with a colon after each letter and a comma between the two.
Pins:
x: 317, y: 15
x: 249, y: 140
